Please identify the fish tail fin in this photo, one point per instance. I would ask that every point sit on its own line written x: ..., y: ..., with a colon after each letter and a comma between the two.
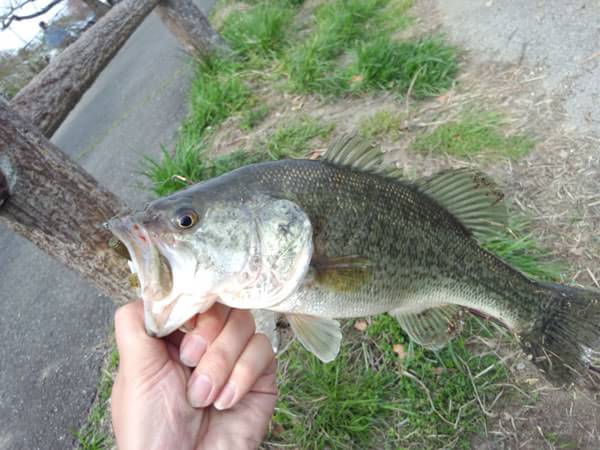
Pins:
x: 564, y: 341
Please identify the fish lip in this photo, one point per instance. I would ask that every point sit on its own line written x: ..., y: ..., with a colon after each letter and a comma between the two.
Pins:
x: 147, y: 262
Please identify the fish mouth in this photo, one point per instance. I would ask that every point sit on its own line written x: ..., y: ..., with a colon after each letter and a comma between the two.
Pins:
x: 167, y: 304
x: 151, y: 267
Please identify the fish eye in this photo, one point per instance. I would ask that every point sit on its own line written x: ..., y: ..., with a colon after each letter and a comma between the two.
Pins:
x: 186, y: 218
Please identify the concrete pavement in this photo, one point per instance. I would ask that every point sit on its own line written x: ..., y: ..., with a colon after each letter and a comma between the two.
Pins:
x: 53, y: 325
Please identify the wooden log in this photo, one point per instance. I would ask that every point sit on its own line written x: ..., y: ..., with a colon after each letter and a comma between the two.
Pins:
x: 58, y: 206
x: 51, y: 95
x: 185, y: 20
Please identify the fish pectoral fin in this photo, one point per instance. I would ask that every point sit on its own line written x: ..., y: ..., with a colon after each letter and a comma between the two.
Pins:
x: 432, y: 328
x: 342, y: 274
x: 320, y: 336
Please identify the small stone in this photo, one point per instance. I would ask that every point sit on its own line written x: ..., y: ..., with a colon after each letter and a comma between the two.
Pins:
x: 520, y: 366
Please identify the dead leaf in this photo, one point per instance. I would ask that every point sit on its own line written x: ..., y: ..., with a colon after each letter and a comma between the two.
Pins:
x: 316, y: 153
x: 361, y: 325
x: 399, y: 350
x: 276, y: 429
x: 357, y: 78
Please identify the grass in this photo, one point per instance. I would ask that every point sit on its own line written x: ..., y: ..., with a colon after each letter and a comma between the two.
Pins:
x: 474, y: 134
x: 293, y: 140
x: 94, y: 434
x: 190, y: 163
x: 382, y: 123
x: 217, y: 91
x: 381, y: 391
x: 260, y: 32
x: 362, y: 31
x: 423, y: 67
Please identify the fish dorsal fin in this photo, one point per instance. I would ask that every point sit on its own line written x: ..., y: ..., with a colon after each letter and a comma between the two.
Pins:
x: 320, y: 336
x: 474, y: 199
x: 355, y: 153
x: 432, y: 328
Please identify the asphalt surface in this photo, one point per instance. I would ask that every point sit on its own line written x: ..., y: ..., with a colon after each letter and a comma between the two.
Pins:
x: 558, y: 38
x: 53, y: 325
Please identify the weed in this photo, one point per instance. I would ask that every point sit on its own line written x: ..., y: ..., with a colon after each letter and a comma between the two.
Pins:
x: 518, y: 248
x: 216, y: 92
x: 253, y: 116
x: 93, y: 434
x: 260, y: 31
x: 474, y: 134
x: 312, y: 65
x: 381, y: 123
x: 189, y: 164
x: 293, y: 140
x: 424, y: 67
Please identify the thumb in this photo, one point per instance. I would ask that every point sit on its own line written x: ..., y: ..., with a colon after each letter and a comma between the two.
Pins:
x: 138, y: 352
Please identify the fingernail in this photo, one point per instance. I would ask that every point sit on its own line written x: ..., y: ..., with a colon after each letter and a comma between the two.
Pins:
x: 192, y: 349
x: 226, y: 397
x: 199, y: 391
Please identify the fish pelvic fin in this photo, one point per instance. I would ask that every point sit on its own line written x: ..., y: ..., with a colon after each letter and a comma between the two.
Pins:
x: 432, y: 328
x: 470, y: 196
x: 320, y: 336
x: 564, y: 341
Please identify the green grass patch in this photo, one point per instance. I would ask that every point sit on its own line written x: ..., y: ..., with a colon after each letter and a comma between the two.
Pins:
x: 261, y: 31
x: 519, y: 248
x: 217, y: 91
x: 472, y: 135
x: 423, y: 67
x: 189, y: 164
x: 382, y: 123
x: 95, y: 434
x: 253, y: 117
x: 371, y: 398
x: 293, y: 140
x: 312, y: 66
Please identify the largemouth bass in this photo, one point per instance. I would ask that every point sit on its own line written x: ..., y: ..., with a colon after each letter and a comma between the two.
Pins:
x: 347, y: 237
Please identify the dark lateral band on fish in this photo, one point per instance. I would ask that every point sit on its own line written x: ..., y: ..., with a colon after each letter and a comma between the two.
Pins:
x: 347, y: 236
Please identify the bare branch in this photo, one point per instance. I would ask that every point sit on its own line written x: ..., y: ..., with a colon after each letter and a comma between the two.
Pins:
x: 10, y: 17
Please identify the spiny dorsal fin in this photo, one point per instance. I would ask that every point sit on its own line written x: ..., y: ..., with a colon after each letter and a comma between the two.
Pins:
x: 432, y: 328
x: 471, y: 197
x: 355, y: 153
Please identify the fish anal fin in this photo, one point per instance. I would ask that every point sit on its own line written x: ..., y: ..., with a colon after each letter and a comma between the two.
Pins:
x: 432, y: 328
x: 320, y: 336
x: 342, y: 274
x: 470, y: 196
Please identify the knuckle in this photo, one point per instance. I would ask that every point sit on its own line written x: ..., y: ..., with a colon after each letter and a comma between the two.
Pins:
x: 243, y: 320
x: 218, y: 362
x: 244, y: 371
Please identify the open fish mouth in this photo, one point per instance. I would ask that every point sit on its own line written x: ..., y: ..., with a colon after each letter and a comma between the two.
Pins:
x: 151, y: 267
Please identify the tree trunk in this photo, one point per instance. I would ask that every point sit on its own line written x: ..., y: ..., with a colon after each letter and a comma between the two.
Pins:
x: 51, y: 95
x: 97, y: 7
x: 185, y: 20
x: 58, y: 206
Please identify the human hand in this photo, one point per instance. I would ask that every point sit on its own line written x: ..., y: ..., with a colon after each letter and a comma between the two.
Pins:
x: 226, y: 402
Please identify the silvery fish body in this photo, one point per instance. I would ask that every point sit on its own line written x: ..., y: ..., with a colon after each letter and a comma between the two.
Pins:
x: 346, y: 237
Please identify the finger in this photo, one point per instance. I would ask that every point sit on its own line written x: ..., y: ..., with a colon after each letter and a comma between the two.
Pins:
x: 207, y: 327
x: 136, y: 348
x: 256, y: 359
x: 216, y: 364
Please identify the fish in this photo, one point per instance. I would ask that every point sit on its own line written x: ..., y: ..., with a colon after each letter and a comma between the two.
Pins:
x: 348, y: 236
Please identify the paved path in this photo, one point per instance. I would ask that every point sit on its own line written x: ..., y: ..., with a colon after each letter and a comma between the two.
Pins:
x: 561, y: 38
x: 53, y: 325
